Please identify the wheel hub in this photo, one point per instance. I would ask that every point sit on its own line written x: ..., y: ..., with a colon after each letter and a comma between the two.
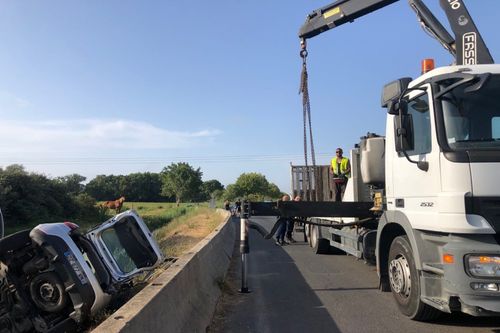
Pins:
x: 400, y: 276
x: 47, y: 292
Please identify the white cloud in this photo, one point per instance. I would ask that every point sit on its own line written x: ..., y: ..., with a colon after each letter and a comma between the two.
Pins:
x: 11, y: 102
x: 94, y: 135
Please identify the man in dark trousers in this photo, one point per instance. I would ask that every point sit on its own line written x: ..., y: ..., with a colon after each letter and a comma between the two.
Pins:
x: 340, y: 168
x: 237, y: 203
x: 280, y: 227
x: 291, y: 224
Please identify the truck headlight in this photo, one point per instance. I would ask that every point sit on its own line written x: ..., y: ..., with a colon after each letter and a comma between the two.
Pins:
x: 484, y: 265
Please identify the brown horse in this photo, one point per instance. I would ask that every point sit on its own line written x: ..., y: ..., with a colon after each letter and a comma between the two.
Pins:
x: 114, y: 204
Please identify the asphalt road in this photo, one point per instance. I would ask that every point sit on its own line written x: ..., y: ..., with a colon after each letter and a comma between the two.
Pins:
x: 294, y: 290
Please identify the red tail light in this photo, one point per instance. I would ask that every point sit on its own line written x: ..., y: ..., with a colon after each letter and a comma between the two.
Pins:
x: 71, y: 225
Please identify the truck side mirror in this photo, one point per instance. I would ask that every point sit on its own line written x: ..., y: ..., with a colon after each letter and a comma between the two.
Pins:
x: 403, y: 130
x: 392, y: 92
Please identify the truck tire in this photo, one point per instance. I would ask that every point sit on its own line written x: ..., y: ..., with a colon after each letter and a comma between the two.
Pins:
x: 405, y: 283
x: 309, y: 228
x: 307, y: 234
x: 319, y: 245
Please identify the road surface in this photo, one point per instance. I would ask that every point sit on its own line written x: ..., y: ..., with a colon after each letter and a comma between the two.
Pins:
x: 294, y: 290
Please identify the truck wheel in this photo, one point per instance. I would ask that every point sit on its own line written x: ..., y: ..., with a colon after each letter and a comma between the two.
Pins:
x: 405, y: 283
x: 306, y: 233
x: 309, y: 240
x: 48, y: 292
x: 319, y: 245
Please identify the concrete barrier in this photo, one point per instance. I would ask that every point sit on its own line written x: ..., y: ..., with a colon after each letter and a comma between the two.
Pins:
x: 183, y: 298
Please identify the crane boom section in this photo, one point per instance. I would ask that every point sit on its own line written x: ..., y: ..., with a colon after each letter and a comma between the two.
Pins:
x: 338, y: 13
x: 470, y: 46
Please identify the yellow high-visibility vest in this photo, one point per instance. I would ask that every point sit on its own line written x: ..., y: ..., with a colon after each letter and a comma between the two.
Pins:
x: 343, y: 166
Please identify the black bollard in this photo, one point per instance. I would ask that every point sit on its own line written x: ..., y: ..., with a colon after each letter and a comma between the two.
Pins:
x: 244, y: 245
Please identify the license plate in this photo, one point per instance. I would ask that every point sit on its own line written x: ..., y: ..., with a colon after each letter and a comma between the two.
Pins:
x: 76, y: 267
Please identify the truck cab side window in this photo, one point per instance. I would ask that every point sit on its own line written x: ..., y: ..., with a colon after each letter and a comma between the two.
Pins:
x: 418, y: 108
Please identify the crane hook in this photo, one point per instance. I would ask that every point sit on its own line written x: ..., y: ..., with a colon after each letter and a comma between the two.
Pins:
x: 303, y: 49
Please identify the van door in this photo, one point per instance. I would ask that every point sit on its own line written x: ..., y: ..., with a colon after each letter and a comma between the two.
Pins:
x: 126, y: 246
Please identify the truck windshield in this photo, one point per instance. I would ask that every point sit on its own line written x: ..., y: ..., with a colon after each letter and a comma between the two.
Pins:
x: 472, y: 116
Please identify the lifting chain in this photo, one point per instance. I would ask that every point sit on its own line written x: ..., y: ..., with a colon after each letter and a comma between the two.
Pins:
x: 306, y: 108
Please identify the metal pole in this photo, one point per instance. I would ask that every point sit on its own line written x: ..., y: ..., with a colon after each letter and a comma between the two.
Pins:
x: 244, y: 245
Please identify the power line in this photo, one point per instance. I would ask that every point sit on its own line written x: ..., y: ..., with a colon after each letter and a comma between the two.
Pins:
x: 156, y: 160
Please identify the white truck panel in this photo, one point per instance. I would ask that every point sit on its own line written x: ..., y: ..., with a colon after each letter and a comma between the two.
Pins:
x: 455, y: 177
x: 486, y: 179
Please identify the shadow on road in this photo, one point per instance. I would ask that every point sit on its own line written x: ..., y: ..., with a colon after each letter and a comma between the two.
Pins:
x: 280, y: 299
x: 464, y: 320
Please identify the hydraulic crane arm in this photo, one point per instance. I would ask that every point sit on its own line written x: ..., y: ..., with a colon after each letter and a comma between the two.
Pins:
x: 470, y: 46
x: 431, y: 25
x: 467, y: 48
x: 338, y: 13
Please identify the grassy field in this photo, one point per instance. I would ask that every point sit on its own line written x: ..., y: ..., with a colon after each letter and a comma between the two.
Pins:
x: 159, y: 214
x: 155, y: 214
x: 186, y: 231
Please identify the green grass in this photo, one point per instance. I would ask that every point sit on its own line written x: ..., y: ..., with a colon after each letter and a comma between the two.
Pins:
x: 154, y: 214
x: 158, y: 214
x: 187, y: 230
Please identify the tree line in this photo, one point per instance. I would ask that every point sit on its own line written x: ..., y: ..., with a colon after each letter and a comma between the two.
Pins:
x: 28, y: 197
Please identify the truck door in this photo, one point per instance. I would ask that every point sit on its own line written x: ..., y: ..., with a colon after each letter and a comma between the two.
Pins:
x: 415, y: 190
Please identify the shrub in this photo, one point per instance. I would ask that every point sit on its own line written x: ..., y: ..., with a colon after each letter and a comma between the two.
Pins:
x: 86, y: 205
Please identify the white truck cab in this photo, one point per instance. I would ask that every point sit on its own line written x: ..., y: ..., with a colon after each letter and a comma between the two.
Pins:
x: 442, y: 172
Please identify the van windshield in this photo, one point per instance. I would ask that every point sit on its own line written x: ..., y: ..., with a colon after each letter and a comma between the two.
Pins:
x: 128, y: 246
x: 472, y: 116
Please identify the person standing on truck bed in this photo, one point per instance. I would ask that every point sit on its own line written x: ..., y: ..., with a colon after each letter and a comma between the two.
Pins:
x: 341, y: 169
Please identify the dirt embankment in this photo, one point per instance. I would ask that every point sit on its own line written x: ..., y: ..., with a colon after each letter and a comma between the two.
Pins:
x: 183, y: 233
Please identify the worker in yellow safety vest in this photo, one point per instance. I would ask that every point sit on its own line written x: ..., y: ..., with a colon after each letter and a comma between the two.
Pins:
x: 341, y: 170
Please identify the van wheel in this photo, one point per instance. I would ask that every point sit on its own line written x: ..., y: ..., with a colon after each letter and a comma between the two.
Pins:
x: 405, y: 283
x: 48, y: 293
x: 319, y: 245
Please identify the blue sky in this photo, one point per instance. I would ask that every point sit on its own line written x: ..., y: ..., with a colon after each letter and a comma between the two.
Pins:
x: 115, y: 87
